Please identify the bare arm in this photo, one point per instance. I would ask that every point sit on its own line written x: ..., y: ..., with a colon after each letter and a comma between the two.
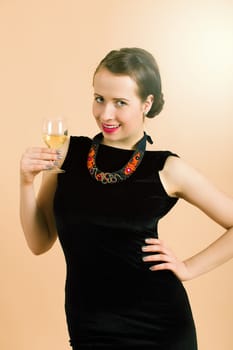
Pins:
x: 36, y: 212
x: 183, y: 181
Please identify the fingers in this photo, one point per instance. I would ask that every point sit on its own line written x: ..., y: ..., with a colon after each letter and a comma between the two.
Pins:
x: 164, y: 259
x: 160, y: 254
x: 37, y: 153
x: 155, y: 245
x: 36, y: 159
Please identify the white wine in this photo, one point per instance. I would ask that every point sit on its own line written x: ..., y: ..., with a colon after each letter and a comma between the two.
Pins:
x: 54, y: 141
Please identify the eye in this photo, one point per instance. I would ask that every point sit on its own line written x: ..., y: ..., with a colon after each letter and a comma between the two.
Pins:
x: 99, y: 99
x: 121, y: 103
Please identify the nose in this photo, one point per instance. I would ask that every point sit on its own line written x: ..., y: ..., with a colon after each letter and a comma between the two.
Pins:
x: 107, y: 112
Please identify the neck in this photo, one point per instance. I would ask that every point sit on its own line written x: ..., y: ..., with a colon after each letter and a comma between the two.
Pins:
x: 121, y: 174
x: 99, y: 139
x: 127, y: 143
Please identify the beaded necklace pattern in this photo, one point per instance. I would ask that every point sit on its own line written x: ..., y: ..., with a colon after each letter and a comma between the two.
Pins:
x: 119, y: 175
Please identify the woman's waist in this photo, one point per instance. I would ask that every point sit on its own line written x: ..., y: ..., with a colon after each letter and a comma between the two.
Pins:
x: 126, y: 289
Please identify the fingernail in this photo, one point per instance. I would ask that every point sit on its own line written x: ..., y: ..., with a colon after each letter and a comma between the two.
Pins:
x: 48, y: 167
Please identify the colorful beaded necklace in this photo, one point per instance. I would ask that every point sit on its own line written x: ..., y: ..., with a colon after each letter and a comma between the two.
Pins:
x: 119, y: 175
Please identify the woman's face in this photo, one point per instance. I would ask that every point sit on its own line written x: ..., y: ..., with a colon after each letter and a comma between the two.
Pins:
x: 117, y: 108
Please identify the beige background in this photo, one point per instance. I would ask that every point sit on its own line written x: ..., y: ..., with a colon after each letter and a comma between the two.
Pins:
x: 49, y: 49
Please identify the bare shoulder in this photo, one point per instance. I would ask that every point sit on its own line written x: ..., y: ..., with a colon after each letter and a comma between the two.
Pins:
x: 182, y: 180
x: 172, y: 173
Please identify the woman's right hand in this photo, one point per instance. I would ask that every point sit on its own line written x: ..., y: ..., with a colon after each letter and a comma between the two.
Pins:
x: 36, y: 159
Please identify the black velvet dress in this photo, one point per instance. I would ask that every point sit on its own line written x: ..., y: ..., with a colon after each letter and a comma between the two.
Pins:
x: 112, y: 299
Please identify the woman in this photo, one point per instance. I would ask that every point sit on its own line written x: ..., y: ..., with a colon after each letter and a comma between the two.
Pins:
x: 124, y: 285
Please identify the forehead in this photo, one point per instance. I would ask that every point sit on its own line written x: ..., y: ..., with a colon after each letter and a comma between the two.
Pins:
x: 106, y: 83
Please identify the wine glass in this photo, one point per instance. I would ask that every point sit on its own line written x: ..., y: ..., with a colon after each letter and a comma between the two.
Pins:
x: 55, y: 134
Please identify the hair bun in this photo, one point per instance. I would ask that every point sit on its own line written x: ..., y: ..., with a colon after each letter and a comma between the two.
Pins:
x: 156, y: 107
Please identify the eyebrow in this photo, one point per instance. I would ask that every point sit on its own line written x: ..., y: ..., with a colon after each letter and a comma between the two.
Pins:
x: 115, y: 98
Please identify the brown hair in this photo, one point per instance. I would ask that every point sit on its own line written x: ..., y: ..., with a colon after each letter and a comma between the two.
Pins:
x: 141, y: 66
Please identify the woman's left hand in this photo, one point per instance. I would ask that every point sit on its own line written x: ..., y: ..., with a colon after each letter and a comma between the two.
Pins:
x: 164, y: 258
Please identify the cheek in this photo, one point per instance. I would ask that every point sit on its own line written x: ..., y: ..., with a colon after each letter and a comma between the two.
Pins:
x: 94, y: 110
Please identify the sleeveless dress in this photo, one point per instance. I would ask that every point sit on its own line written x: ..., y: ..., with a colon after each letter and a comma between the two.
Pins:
x: 112, y: 299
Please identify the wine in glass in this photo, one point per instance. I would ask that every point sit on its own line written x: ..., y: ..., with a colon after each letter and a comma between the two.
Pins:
x: 55, y: 134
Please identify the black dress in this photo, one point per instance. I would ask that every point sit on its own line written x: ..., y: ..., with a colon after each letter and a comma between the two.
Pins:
x: 113, y: 300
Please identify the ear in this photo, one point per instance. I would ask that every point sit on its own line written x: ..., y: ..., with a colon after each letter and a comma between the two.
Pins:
x: 148, y: 103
